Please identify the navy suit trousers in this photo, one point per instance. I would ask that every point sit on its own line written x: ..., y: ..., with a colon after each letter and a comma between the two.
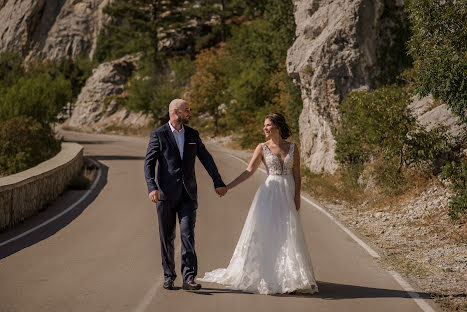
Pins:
x: 167, y: 211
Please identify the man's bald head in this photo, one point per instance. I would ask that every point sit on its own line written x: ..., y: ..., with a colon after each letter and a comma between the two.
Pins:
x: 176, y: 104
x: 179, y: 112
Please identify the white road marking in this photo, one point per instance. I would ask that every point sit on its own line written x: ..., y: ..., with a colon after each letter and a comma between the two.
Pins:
x: 365, y: 246
x: 404, y: 284
x: 151, y: 293
x: 99, y: 173
x: 412, y: 293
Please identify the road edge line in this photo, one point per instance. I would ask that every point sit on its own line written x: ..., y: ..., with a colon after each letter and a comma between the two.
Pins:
x: 96, y: 180
x: 151, y: 293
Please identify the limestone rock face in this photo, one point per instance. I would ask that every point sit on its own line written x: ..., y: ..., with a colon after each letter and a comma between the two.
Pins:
x: 50, y: 29
x: 341, y: 46
x: 431, y: 115
x: 108, y: 79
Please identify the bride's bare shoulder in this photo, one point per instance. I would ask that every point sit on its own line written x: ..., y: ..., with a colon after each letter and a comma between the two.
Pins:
x: 259, y: 148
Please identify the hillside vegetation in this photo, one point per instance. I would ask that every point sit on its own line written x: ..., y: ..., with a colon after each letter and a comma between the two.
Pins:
x: 228, y: 59
x: 380, y: 137
x: 30, y: 99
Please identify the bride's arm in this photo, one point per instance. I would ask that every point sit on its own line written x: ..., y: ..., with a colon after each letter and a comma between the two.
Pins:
x: 297, y: 177
x: 252, y: 166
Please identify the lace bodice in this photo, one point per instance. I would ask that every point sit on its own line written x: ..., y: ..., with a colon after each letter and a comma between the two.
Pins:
x: 273, y: 163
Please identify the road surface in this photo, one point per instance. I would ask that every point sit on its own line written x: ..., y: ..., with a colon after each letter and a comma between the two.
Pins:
x: 103, y: 255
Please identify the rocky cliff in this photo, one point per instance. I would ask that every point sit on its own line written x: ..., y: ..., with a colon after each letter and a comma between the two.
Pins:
x: 95, y: 110
x: 50, y: 29
x: 341, y: 45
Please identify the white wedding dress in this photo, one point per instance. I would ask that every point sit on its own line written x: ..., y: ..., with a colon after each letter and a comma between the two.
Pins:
x: 271, y: 256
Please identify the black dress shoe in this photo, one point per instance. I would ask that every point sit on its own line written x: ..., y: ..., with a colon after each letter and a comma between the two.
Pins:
x: 191, y: 285
x: 168, y: 284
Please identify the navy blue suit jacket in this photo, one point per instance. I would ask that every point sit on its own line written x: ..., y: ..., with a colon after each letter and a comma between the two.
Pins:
x: 173, y: 173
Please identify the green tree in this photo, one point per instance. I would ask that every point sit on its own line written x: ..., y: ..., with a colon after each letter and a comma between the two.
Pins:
x: 379, y: 125
x: 251, y: 73
x: 155, y: 85
x: 37, y: 95
x: 279, y: 15
x: 456, y: 172
x: 374, y: 123
x: 24, y: 143
x: 208, y: 85
x: 438, y: 46
x: 10, y: 69
x: 77, y: 72
x: 130, y: 30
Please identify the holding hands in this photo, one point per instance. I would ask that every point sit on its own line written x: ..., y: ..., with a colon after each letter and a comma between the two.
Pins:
x: 221, y: 191
x: 154, y: 196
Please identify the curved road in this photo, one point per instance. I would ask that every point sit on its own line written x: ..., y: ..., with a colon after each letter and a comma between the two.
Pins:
x: 104, y: 254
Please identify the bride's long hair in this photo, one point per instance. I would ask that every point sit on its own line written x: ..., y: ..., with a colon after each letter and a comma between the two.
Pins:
x: 278, y: 120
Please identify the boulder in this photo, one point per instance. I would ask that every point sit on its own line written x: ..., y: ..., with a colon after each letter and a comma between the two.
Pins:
x: 431, y: 113
x: 108, y: 80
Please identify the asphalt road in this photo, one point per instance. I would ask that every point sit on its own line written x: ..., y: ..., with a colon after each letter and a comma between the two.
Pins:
x: 103, y: 255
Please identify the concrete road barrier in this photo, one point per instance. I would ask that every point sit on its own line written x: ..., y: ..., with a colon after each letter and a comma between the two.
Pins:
x: 27, y: 192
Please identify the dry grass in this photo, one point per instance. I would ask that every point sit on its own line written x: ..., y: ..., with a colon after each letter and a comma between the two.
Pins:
x: 342, y: 188
x: 448, y: 304
x: 331, y: 188
x: 440, y: 225
x: 408, y: 266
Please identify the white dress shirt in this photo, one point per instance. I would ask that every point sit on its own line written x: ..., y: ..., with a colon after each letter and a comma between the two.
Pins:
x: 179, y: 138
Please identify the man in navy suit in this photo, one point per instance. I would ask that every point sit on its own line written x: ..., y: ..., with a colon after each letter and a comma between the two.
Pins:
x: 175, y: 146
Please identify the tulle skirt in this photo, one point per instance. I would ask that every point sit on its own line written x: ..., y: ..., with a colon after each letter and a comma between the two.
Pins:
x: 271, y: 256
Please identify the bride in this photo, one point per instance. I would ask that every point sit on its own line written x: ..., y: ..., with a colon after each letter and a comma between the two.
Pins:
x: 271, y: 256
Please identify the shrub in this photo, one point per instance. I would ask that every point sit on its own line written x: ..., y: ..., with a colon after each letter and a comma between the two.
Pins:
x: 428, y: 149
x: 10, y: 69
x: 155, y: 85
x: 378, y: 127
x: 456, y: 173
x: 257, y: 79
x: 438, y: 46
x: 208, y: 87
x: 24, y: 143
x: 37, y: 95
x: 373, y: 123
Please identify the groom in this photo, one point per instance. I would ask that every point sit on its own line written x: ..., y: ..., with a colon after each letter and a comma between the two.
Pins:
x: 175, y: 147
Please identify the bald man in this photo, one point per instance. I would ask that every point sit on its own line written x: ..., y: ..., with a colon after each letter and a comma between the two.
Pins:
x: 175, y: 146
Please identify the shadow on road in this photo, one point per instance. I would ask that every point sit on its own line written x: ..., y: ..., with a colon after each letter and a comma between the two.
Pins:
x: 213, y: 291
x: 63, y: 202
x: 82, y: 142
x: 329, y: 291
x: 115, y: 157
x: 333, y: 291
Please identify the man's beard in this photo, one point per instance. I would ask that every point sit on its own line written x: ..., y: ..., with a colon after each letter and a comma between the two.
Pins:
x: 184, y: 121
